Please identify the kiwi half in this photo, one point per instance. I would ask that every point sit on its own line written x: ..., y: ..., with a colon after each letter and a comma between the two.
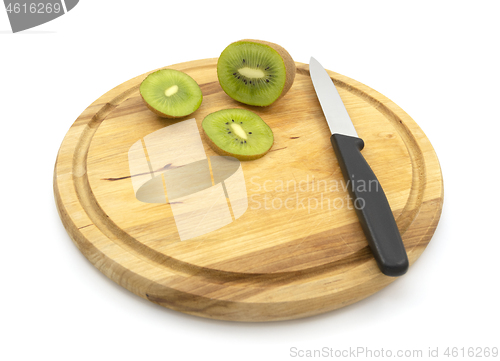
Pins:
x: 255, y: 72
x: 238, y: 133
x: 171, y: 93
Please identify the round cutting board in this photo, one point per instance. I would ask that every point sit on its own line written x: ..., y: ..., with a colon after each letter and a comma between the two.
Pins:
x: 282, y: 242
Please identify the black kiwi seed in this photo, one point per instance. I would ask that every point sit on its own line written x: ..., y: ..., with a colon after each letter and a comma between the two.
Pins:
x: 249, y: 132
x: 228, y: 132
x: 232, y: 120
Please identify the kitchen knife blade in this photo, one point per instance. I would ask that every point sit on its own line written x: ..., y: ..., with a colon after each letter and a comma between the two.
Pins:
x: 370, y: 202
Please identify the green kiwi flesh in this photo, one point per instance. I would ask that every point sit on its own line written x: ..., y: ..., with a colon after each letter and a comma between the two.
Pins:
x: 171, y: 93
x: 238, y: 133
x: 255, y: 72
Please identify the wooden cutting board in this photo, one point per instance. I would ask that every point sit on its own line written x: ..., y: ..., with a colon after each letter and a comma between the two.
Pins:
x: 296, y: 250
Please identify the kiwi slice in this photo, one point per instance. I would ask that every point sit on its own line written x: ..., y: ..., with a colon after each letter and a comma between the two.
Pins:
x: 238, y: 133
x: 171, y: 93
x: 255, y: 72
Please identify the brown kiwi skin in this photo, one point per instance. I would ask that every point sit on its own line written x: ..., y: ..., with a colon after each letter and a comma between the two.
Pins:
x: 287, y: 59
x: 237, y: 156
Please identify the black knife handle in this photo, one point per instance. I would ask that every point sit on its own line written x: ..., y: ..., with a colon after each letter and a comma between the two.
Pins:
x: 371, y: 206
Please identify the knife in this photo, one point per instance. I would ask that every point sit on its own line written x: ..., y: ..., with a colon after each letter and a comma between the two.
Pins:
x: 370, y: 202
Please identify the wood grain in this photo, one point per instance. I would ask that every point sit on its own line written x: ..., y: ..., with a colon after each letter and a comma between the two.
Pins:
x: 298, y: 250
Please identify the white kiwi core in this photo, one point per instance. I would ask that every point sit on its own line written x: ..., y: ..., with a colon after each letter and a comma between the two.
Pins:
x: 251, y: 73
x: 171, y: 91
x: 238, y: 130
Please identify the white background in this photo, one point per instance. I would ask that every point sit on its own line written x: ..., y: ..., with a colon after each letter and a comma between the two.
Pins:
x: 438, y: 60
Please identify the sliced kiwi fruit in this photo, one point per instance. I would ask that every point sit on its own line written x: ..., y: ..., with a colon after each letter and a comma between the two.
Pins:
x: 238, y: 133
x: 171, y: 93
x: 255, y: 72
